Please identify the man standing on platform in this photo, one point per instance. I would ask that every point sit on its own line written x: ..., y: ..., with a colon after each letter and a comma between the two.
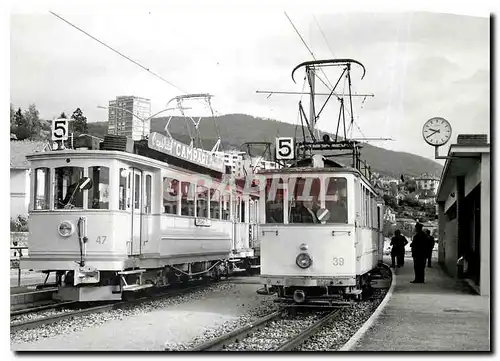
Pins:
x: 431, y: 247
x: 419, y: 252
x: 398, y: 243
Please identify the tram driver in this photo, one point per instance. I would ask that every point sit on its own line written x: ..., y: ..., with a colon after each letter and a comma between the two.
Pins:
x: 305, y: 212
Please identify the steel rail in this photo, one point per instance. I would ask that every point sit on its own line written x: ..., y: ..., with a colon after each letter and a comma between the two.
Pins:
x: 40, y: 308
x: 307, y: 333
x: 30, y: 324
x: 219, y: 342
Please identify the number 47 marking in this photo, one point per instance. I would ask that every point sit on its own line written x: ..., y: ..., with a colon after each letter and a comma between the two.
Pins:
x: 100, y: 239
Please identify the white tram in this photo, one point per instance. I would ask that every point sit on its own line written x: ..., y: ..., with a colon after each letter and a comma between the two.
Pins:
x: 109, y: 221
x: 321, y: 241
x: 321, y: 229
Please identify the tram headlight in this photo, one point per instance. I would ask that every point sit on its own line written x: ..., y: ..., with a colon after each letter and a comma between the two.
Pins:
x: 303, y: 260
x: 65, y: 229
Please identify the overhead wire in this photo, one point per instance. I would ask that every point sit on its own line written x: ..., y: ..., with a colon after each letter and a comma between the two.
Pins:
x: 129, y: 59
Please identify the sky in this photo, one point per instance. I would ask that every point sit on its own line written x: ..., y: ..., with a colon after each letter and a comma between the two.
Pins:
x: 418, y: 64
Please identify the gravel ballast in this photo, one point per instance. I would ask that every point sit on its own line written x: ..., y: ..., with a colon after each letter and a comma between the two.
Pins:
x: 148, y: 326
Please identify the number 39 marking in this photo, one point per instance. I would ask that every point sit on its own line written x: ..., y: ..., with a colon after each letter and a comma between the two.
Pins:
x: 338, y: 261
x: 285, y: 148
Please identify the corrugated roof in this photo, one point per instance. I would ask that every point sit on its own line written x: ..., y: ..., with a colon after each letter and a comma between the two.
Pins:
x: 19, y: 149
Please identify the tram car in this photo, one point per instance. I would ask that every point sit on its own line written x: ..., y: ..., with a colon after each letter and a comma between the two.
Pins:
x: 321, y: 241
x: 321, y: 220
x: 122, y: 216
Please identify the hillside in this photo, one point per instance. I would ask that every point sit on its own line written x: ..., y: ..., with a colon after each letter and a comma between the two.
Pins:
x: 236, y: 129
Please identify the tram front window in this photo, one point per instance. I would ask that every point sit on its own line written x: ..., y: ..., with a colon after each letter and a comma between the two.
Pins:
x: 336, y: 199
x: 274, y: 200
x: 66, y: 193
x: 304, y: 200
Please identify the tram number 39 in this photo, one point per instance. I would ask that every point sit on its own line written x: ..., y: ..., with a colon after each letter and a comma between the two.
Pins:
x: 285, y: 148
x: 338, y: 261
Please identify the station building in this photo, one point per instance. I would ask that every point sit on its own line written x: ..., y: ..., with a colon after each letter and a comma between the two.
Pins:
x: 464, y: 212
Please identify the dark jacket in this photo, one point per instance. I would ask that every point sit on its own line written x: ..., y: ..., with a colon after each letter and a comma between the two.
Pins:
x: 431, y: 244
x: 398, y: 244
x: 420, y: 245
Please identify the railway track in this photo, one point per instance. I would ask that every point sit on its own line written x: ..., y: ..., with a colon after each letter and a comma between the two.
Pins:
x: 37, y: 322
x: 274, y: 332
x: 42, y: 307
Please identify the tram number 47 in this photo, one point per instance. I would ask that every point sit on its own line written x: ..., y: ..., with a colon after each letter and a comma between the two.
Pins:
x: 338, y: 261
x: 100, y: 239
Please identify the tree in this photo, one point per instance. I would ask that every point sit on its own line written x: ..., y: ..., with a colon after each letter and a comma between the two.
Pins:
x: 19, y: 120
x: 19, y: 126
x: 63, y: 116
x: 12, y: 117
x: 79, y: 123
x: 33, y: 122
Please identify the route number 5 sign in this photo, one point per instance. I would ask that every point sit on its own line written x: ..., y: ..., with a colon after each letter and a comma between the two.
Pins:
x: 285, y: 149
x: 59, y: 129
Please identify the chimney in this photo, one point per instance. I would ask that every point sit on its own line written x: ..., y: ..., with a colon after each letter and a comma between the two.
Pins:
x: 472, y: 139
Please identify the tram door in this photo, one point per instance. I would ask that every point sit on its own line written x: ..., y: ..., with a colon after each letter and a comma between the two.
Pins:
x: 137, y: 194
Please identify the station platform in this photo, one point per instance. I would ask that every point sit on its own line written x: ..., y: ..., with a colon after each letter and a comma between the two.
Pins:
x: 443, y: 314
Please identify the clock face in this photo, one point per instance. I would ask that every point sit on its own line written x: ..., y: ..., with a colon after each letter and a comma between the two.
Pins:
x: 436, y: 131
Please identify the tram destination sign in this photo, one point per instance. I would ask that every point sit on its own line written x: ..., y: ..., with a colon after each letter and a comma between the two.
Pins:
x: 180, y: 150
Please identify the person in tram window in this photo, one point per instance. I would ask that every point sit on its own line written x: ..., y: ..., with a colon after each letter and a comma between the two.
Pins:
x: 398, y: 243
x: 431, y: 247
x: 419, y: 251
x: 305, y: 212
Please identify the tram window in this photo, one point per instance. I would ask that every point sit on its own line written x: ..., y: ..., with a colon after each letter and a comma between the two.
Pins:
x: 137, y: 191
x: 42, y: 184
x: 98, y: 195
x: 215, y: 204
x: 202, y: 202
x: 170, y: 195
x: 122, y: 192
x: 363, y: 206
x: 304, y: 200
x: 274, y: 201
x: 236, y: 209
x: 187, y: 199
x: 225, y: 207
x: 367, y: 208
x: 336, y: 199
x: 65, y: 192
x: 148, y: 194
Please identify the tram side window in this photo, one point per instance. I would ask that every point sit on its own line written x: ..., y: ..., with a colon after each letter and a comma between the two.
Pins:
x: 170, y: 194
x: 374, y: 213
x: 202, y: 202
x: 148, y: 194
x: 363, y: 206
x: 274, y: 201
x: 225, y: 207
x: 187, y: 200
x: 98, y: 195
x: 65, y: 192
x: 122, y: 192
x: 42, y: 190
x: 215, y: 204
x: 304, y: 200
x: 336, y: 199
x: 137, y: 191
x: 367, y: 208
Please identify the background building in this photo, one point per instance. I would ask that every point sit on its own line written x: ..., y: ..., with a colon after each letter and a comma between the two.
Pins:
x: 126, y: 115
x: 20, y: 175
x: 464, y: 208
x: 427, y: 184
